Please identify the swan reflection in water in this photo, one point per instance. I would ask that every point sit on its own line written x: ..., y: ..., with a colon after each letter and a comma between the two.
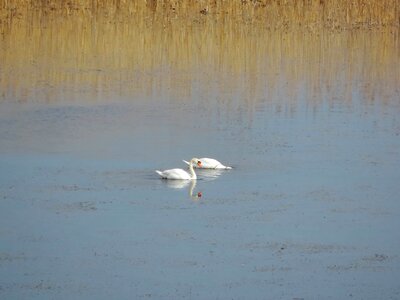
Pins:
x: 180, y: 184
x: 209, y: 174
x: 204, y: 174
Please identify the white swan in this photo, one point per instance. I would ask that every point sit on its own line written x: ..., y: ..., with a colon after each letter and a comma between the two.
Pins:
x: 209, y: 163
x: 180, y: 174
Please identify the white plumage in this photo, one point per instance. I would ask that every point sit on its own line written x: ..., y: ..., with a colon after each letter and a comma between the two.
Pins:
x: 180, y: 174
x: 208, y: 163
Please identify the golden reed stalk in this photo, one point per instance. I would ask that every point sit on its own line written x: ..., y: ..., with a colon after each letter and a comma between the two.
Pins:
x: 334, y: 14
x: 51, y: 50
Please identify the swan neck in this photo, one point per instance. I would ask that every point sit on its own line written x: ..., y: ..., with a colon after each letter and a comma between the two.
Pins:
x: 192, y: 173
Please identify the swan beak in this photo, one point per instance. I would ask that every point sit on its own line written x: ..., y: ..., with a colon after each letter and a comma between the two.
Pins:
x: 199, y: 163
x: 199, y: 194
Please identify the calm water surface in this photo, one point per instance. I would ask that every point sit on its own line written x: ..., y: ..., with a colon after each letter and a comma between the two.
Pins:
x: 310, y: 124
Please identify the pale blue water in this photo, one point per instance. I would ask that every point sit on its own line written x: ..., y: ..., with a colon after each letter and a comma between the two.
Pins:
x: 311, y: 209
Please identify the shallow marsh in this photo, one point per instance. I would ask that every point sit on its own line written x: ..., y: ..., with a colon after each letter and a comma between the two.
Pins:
x: 309, y: 121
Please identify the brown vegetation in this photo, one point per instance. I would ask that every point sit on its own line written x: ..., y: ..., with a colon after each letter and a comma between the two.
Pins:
x: 51, y: 49
x: 63, y: 57
x: 334, y: 14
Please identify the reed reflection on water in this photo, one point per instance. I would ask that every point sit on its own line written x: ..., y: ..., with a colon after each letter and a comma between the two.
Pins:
x: 312, y: 199
x: 86, y: 58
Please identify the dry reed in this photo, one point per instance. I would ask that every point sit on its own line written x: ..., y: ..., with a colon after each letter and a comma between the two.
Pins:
x: 57, y: 49
x: 49, y: 58
x: 334, y: 14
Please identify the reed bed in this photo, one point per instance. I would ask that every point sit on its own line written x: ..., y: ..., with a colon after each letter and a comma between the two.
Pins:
x: 52, y: 50
x: 55, y: 58
x: 275, y: 14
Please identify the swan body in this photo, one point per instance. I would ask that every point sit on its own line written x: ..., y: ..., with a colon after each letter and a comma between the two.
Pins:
x: 208, y: 163
x: 175, y: 174
x: 180, y: 174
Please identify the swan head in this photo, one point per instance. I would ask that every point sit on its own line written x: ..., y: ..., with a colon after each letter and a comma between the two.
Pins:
x: 196, y: 161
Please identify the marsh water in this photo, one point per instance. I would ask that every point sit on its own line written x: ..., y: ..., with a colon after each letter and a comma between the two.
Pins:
x: 308, y: 120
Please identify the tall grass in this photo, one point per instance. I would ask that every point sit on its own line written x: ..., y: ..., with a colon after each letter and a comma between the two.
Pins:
x: 52, y: 58
x: 63, y: 48
x: 335, y: 14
